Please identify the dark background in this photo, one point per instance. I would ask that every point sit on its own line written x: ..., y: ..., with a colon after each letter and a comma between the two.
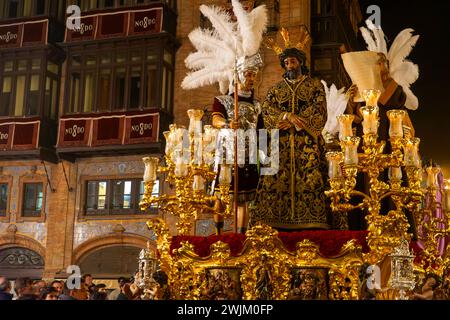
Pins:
x: 431, y: 20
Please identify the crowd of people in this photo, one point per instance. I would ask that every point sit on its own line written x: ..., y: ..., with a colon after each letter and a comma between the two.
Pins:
x: 28, y: 289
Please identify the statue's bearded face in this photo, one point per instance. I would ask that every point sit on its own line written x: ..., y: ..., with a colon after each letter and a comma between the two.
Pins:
x: 293, y: 68
x: 383, y: 64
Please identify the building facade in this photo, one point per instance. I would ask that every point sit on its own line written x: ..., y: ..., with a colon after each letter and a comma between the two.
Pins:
x: 80, y: 107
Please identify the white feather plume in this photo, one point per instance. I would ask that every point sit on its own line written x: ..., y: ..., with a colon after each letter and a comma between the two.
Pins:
x: 210, y: 42
x: 336, y: 103
x: 367, y: 35
x: 221, y: 22
x: 406, y: 73
x: 199, y: 60
x: 403, y: 71
x: 218, y: 49
x: 412, y: 103
x: 203, y: 77
x: 374, y: 37
x: 251, y: 26
x: 402, y: 46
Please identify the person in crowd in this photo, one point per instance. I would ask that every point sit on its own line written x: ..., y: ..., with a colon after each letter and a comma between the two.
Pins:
x: 125, y: 292
x: 24, y: 289
x: 5, y: 289
x: 58, y: 286
x: 99, y: 292
x: 87, y: 280
x: 65, y: 291
x: 431, y: 283
x: 113, y: 295
x: 39, y: 286
x: 48, y: 293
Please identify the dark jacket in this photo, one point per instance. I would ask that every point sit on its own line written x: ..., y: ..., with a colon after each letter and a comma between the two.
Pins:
x: 5, y: 296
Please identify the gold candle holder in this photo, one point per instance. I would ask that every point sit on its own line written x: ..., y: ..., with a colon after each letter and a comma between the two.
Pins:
x: 371, y: 97
x: 151, y: 167
x: 396, y: 123
x: 447, y: 194
x: 195, y: 118
x: 432, y: 176
x: 334, y: 167
x: 395, y: 177
x: 350, y: 147
x: 345, y: 126
x: 412, y: 158
x: 370, y: 123
x: 224, y: 189
x: 225, y: 174
x: 169, y: 147
x: 199, y: 184
x: 181, y: 168
x: 395, y: 173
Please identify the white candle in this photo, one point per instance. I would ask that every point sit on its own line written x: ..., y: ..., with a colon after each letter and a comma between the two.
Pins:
x: 181, y: 169
x: 334, y: 168
x: 412, y: 158
x: 447, y: 194
x: 395, y: 173
x: 345, y: 126
x: 371, y: 97
x: 351, y: 150
x: 195, y: 120
x: 168, y: 149
x: 199, y: 183
x: 151, y: 166
x: 396, y: 123
x: 225, y: 174
x: 431, y: 176
x: 370, y: 122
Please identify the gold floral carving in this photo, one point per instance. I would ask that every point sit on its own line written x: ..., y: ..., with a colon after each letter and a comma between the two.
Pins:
x: 265, y: 266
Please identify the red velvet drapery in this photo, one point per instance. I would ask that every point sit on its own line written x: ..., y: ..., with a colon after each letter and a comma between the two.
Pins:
x: 330, y: 242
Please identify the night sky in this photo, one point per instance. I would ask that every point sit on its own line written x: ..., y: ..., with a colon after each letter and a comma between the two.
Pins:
x: 431, y: 20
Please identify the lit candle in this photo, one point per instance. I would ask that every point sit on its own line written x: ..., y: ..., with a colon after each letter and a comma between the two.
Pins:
x: 195, y: 120
x: 371, y: 97
x: 209, y: 144
x: 167, y: 135
x: 334, y: 160
x: 431, y: 176
x: 395, y: 173
x: 151, y: 166
x: 370, y: 122
x: 181, y: 169
x: 345, y: 126
x: 447, y: 194
x: 176, y: 142
x: 396, y: 121
x: 351, y: 150
x: 199, y: 183
x: 225, y: 174
x: 412, y: 158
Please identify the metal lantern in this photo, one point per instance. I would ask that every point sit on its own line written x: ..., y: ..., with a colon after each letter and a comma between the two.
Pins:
x: 148, y: 264
x: 402, y: 266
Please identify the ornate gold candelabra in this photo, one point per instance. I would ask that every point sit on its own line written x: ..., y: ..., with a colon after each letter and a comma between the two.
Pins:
x: 385, y: 231
x: 188, y: 168
x: 433, y: 227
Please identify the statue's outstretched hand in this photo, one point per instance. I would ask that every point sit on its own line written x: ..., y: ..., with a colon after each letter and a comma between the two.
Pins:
x: 296, y: 121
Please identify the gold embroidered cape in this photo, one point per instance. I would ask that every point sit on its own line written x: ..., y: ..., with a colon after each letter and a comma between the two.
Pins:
x: 294, y: 198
